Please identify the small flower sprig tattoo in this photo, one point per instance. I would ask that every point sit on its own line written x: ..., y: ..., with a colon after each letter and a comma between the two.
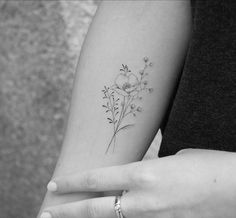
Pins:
x: 122, y: 98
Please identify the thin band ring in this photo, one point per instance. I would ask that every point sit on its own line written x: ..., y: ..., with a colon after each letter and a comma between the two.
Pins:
x: 117, y: 207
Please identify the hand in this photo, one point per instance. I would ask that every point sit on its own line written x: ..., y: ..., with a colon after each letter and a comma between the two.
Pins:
x: 190, y: 185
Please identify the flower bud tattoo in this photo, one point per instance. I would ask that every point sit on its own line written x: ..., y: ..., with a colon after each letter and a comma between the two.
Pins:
x: 123, y: 97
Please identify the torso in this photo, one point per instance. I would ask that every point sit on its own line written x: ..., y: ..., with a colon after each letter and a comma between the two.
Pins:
x: 203, y: 114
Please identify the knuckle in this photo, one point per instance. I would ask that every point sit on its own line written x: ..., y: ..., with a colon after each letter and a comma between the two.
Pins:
x: 91, y: 181
x: 91, y: 210
x: 142, y: 177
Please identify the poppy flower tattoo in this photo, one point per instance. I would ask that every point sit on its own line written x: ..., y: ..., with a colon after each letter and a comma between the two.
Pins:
x: 122, y: 98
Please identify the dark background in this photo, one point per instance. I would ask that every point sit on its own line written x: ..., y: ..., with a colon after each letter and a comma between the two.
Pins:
x: 40, y: 42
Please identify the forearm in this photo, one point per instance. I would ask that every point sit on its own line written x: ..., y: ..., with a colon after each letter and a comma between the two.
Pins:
x: 123, y: 33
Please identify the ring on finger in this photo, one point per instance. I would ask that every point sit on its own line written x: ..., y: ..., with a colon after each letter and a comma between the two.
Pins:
x: 117, y: 207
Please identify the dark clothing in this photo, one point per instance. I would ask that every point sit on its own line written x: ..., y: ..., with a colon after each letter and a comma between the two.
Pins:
x: 203, y: 114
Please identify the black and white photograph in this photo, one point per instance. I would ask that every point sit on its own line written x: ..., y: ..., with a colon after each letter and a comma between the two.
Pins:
x: 117, y: 109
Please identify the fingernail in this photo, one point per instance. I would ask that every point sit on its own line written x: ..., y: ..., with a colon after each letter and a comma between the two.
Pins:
x: 52, y: 186
x: 46, y: 215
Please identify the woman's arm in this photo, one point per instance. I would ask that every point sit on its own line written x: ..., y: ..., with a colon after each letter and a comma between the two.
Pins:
x: 123, y: 33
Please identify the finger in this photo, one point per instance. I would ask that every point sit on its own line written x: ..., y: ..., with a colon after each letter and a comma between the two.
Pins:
x: 103, y: 179
x: 93, y: 208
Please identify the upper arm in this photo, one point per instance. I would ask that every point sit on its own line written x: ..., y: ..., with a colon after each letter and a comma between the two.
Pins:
x: 147, y: 16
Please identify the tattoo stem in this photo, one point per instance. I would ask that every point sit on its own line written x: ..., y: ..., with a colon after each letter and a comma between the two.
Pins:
x: 113, y: 138
x: 129, y: 86
x: 113, y: 118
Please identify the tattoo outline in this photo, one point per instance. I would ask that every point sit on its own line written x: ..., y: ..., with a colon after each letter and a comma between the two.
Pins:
x: 121, y: 98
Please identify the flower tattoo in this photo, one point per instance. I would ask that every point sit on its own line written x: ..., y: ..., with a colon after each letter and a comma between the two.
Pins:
x: 123, y: 96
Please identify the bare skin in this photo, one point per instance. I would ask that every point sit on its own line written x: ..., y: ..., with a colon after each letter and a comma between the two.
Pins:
x: 122, y: 33
x: 193, y: 184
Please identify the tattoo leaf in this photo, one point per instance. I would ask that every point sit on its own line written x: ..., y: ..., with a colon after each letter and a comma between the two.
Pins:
x: 109, y: 119
x: 125, y: 127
